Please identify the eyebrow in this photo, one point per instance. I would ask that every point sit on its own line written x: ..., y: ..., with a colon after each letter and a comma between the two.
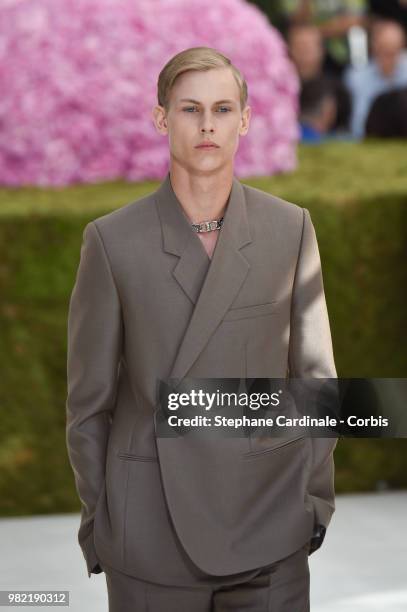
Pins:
x: 197, y: 101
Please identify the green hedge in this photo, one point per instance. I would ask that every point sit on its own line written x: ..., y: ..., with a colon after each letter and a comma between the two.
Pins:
x: 357, y: 197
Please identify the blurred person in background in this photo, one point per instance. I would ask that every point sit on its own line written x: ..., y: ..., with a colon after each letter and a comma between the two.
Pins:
x: 388, y: 115
x: 306, y: 49
x: 333, y: 19
x: 318, y: 110
x: 386, y: 70
x: 396, y: 10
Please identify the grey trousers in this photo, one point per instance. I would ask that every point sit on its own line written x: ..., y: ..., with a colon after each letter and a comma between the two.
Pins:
x: 283, y: 586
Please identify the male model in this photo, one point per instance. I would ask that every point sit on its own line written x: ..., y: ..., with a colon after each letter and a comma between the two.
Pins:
x: 204, y: 278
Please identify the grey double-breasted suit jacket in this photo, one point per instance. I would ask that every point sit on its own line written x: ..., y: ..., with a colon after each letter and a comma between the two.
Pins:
x: 149, y: 304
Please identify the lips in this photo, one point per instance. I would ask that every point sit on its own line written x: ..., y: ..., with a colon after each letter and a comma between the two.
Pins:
x: 207, y: 145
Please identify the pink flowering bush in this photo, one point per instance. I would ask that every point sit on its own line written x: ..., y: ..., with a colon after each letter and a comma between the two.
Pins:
x: 78, y: 81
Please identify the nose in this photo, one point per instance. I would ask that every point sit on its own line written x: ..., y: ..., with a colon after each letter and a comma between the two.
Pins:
x: 207, y: 124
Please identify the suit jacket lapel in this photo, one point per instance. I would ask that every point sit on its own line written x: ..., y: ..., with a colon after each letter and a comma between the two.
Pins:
x: 212, y: 285
x: 180, y: 239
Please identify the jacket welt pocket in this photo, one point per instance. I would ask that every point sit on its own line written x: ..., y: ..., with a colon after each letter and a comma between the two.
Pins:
x: 258, y: 310
x: 132, y: 457
x: 280, y: 443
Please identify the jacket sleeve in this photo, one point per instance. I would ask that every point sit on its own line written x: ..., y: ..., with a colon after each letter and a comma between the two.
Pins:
x: 93, y: 356
x: 311, y: 356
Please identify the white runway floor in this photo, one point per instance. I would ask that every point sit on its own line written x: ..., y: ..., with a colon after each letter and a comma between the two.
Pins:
x: 362, y: 566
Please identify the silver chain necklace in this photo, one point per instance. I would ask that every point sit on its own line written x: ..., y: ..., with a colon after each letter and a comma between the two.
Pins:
x: 208, y: 226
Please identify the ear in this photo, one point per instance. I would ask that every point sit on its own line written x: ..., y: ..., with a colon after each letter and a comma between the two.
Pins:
x: 245, y: 121
x: 159, y: 118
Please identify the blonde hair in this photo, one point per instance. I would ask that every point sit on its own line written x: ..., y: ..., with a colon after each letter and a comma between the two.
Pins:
x: 200, y: 59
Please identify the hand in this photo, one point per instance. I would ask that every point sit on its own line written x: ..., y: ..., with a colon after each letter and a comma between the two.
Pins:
x: 317, y: 538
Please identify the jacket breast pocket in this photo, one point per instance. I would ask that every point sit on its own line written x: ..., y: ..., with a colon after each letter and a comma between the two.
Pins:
x: 247, y: 312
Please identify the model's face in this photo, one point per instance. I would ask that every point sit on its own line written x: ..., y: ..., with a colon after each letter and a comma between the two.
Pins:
x: 203, y: 106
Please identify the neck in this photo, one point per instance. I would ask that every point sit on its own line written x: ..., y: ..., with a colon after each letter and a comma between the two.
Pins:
x: 203, y: 197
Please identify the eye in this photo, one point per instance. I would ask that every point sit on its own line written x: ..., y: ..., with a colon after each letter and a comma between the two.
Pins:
x: 194, y: 108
